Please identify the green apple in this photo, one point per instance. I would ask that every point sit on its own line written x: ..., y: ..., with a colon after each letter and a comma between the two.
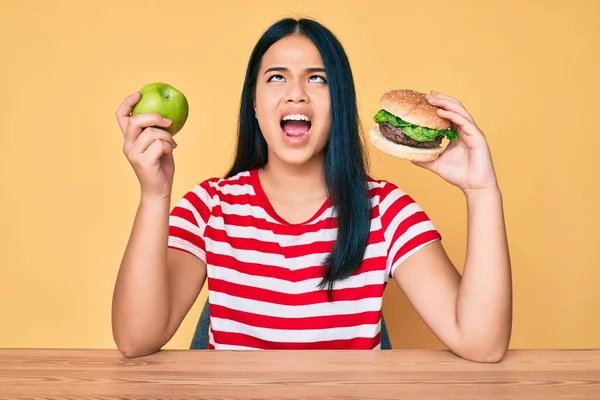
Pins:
x: 165, y: 100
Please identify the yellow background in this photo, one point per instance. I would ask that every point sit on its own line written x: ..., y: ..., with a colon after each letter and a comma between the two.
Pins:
x: 527, y: 70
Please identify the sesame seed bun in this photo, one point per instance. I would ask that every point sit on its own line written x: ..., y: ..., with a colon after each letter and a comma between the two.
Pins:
x: 412, y: 106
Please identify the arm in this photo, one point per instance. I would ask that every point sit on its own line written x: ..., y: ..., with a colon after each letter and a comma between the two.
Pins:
x: 472, y: 315
x: 156, y: 285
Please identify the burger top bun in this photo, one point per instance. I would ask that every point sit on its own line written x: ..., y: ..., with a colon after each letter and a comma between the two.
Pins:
x: 412, y: 106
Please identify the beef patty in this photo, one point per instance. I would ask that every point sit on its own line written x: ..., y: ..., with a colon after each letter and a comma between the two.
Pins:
x: 396, y: 135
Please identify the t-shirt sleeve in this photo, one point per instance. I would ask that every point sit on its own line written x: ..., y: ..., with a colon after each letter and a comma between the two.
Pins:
x: 406, y: 226
x: 188, y: 220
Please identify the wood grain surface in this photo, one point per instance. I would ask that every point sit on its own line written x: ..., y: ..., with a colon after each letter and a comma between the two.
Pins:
x: 53, y: 374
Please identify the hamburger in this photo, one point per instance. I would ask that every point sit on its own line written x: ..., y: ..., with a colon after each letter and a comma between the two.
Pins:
x: 409, y: 127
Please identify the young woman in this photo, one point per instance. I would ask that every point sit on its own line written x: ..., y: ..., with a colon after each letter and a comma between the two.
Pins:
x: 297, y: 241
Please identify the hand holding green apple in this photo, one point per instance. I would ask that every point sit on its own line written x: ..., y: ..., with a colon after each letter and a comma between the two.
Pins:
x: 148, y: 119
x: 165, y: 100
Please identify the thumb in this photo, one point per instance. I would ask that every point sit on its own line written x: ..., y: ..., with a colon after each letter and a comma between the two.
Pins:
x: 168, y: 154
x: 429, y: 165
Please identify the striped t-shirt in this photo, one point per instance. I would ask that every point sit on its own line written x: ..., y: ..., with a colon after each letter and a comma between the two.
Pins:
x: 263, y: 273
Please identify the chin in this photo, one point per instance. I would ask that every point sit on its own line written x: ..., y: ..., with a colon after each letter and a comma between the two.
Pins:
x: 296, y: 158
x: 297, y: 154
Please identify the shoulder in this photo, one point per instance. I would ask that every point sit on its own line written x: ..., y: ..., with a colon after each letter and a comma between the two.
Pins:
x: 405, y: 224
x: 384, y: 193
x: 210, y: 191
x: 396, y: 208
x: 218, y: 186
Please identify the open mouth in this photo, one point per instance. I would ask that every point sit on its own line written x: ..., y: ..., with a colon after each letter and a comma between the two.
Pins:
x: 295, y: 125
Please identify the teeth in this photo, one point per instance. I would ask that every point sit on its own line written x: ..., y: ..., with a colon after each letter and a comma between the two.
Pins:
x: 296, y: 117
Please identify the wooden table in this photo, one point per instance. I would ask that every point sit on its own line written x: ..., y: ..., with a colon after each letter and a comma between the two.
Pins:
x: 397, y: 374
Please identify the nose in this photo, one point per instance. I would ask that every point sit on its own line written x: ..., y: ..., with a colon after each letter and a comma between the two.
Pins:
x: 296, y: 93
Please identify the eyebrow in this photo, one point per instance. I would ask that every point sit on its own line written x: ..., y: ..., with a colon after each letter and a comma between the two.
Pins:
x: 284, y: 69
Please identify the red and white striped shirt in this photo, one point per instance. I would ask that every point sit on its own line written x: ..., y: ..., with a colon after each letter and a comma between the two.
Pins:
x: 263, y: 272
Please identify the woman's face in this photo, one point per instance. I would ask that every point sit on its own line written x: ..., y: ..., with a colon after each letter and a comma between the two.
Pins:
x: 292, y: 101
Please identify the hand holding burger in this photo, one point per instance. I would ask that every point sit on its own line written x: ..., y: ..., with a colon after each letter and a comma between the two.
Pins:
x: 412, y: 125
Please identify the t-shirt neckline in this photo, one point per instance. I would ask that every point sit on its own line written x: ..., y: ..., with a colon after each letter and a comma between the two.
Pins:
x: 266, y: 204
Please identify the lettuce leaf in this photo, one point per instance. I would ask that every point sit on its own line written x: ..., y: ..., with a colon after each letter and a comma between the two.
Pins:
x: 416, y: 132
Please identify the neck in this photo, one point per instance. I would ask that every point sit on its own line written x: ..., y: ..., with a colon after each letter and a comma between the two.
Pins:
x: 306, y: 181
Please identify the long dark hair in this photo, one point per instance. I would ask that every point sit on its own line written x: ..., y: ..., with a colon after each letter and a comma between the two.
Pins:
x: 345, y: 162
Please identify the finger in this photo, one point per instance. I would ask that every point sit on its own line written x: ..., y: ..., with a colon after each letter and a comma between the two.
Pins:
x: 429, y: 165
x: 147, y: 137
x: 156, y: 150
x: 444, y: 96
x: 466, y: 126
x: 451, y: 106
x: 125, y: 108
x: 137, y: 123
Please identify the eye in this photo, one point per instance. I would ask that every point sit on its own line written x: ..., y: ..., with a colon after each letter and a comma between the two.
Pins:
x: 323, y: 80
x: 275, y: 76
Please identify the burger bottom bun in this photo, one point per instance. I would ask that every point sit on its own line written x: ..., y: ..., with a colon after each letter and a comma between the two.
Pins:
x: 397, y: 150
